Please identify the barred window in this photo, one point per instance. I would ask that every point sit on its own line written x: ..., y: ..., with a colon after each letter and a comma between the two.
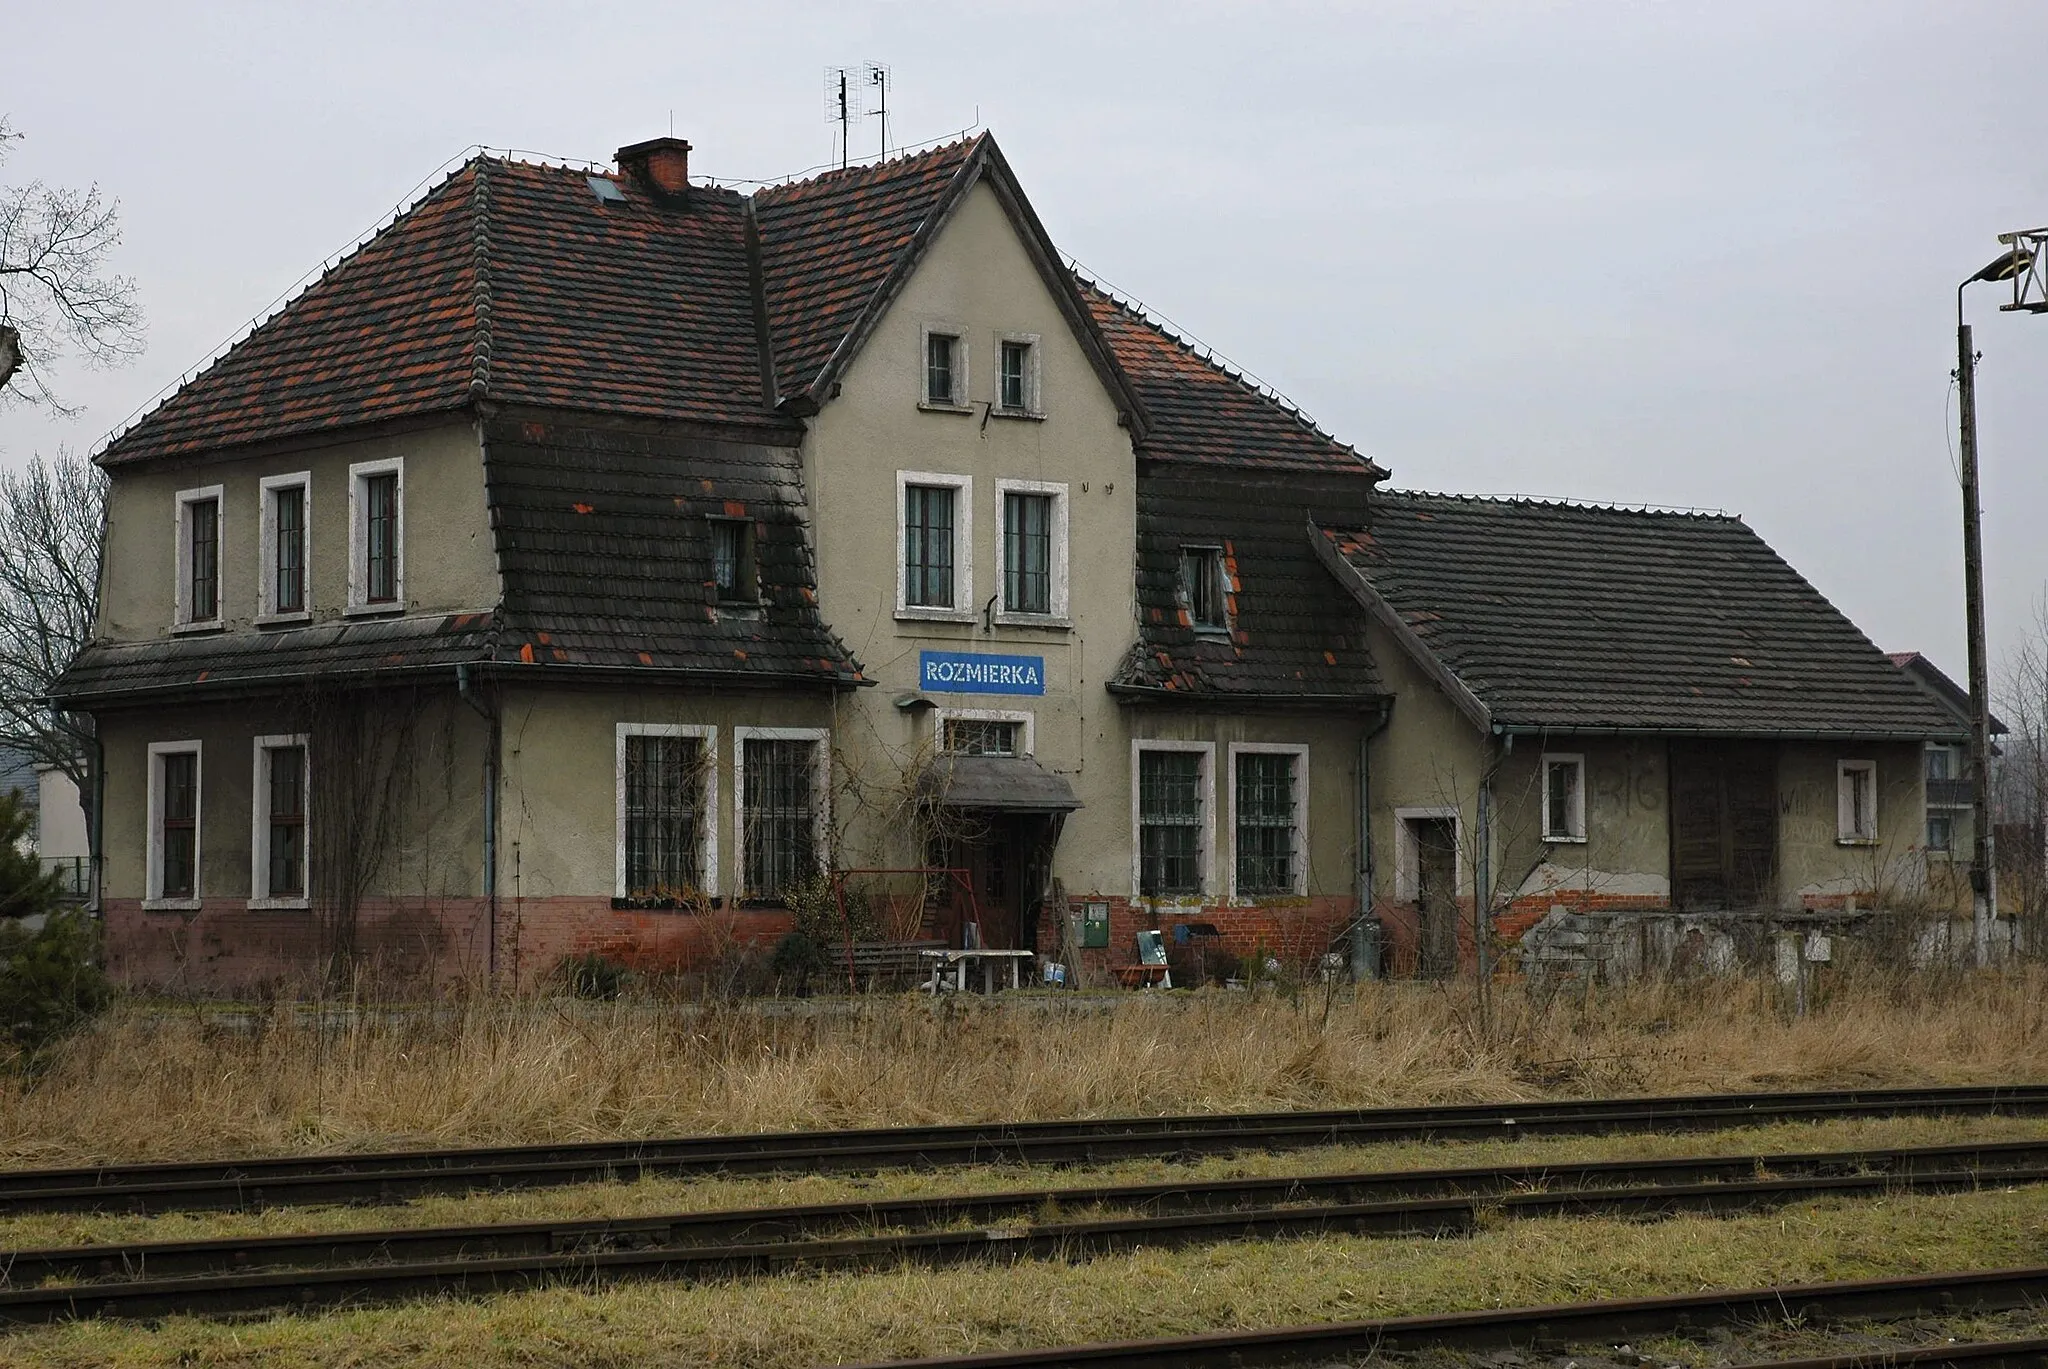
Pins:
x: 983, y: 737
x: 1266, y: 823
x: 779, y: 810
x: 285, y: 814
x: 928, y: 546
x: 178, y: 824
x: 664, y: 817
x: 1027, y: 553
x: 1169, y: 822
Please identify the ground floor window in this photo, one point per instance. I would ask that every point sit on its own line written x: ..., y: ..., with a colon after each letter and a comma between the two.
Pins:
x: 781, y: 807
x: 1173, y: 800
x: 1941, y: 831
x: 278, y: 870
x: 1856, y: 800
x: 1267, y: 806
x: 1564, y: 798
x: 174, y: 811
x: 667, y: 785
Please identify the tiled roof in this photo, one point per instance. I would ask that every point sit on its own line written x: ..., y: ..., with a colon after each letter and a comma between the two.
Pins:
x: 1294, y: 631
x: 1938, y: 682
x: 1569, y: 616
x: 1198, y: 411
x: 828, y: 244
x: 603, y: 539
x: 106, y: 673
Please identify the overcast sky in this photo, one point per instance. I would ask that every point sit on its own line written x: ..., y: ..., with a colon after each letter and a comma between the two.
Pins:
x: 1698, y: 254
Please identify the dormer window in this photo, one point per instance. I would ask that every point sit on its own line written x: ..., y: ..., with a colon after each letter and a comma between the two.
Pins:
x: 1017, y: 375
x: 1203, y: 589
x: 733, y: 572
x: 945, y: 367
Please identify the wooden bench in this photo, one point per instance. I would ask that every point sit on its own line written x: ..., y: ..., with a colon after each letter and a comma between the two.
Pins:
x: 876, y: 964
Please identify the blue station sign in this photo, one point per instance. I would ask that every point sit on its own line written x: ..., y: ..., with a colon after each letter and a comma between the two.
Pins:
x: 969, y: 672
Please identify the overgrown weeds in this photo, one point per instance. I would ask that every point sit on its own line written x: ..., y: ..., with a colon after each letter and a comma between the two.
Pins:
x: 160, y: 1082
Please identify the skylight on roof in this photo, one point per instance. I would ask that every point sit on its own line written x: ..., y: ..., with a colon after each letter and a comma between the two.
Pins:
x: 606, y: 189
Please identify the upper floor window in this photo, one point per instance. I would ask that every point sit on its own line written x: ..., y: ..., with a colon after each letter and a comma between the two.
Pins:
x: 1268, y: 810
x: 173, y: 862
x: 199, y: 535
x: 934, y: 575
x: 278, y: 867
x: 1564, y: 798
x: 282, y: 587
x: 733, y: 570
x: 1017, y: 373
x: 668, y: 801
x: 1172, y: 809
x: 1203, y: 588
x: 782, y: 806
x: 1034, y: 515
x: 377, y: 535
x: 1941, y: 763
x: 1856, y: 800
x: 945, y: 367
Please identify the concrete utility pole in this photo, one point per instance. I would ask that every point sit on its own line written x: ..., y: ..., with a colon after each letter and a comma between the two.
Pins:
x: 2014, y: 265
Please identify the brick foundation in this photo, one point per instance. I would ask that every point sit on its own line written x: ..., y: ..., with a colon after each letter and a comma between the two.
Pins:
x: 1294, y: 931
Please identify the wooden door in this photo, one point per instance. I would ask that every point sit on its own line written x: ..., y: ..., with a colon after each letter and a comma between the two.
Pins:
x: 1724, y: 825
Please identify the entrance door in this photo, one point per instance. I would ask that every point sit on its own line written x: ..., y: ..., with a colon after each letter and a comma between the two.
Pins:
x: 1724, y: 825
x: 1004, y: 855
x: 1436, y: 896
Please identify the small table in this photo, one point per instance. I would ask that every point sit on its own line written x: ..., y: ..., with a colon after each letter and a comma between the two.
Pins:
x: 960, y: 962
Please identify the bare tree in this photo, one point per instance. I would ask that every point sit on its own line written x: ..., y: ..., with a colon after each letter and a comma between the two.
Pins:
x: 52, y: 520
x: 56, y: 293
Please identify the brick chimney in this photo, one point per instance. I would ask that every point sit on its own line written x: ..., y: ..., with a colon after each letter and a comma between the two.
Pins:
x: 662, y: 165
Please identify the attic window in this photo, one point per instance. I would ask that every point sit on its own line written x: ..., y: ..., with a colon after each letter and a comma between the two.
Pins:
x: 606, y: 189
x: 1202, y: 589
x: 733, y: 570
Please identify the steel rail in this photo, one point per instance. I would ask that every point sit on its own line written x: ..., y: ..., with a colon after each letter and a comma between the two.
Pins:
x: 1993, y: 1354
x: 396, y: 1176
x: 1588, y: 1323
x: 1527, y: 1188
x: 328, y: 1285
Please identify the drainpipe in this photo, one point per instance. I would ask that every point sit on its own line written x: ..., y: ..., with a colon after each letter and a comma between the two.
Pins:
x: 463, y: 687
x: 1365, y: 924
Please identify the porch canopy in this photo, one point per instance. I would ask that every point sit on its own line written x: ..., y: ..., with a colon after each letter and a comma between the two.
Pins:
x: 995, y: 784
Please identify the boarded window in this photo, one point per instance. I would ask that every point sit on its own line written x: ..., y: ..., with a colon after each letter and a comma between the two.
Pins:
x: 1169, y: 822
x: 1266, y: 823
x: 779, y: 809
x: 664, y: 818
x: 1724, y: 826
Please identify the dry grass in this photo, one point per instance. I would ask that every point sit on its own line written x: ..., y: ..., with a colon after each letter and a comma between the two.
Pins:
x: 163, y: 1083
x: 788, y: 1322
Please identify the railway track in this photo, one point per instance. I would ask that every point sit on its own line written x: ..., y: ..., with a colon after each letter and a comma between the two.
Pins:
x: 257, y: 1273
x: 1589, y: 1323
x: 2001, y: 1354
x: 397, y: 1176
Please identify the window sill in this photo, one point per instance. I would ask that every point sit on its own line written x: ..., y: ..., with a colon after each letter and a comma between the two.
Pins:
x: 1855, y: 841
x: 303, y: 616
x: 914, y: 614
x: 741, y: 611
x: 279, y: 905
x: 390, y: 610
x: 1052, y: 622
x: 1027, y: 415
x: 939, y: 406
x: 642, y: 904
x: 756, y: 902
x: 170, y: 905
x: 1559, y: 839
x: 194, y: 629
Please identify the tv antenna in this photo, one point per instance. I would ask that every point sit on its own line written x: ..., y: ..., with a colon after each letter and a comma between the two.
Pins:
x: 848, y: 91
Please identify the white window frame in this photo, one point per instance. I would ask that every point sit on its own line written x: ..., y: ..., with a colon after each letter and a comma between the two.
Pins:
x: 708, y: 841
x: 1206, y: 848
x: 942, y: 716
x: 1299, y: 874
x: 963, y: 546
x: 1058, y: 616
x: 153, y: 877
x: 821, y: 794
x: 181, y: 614
x: 1408, y: 859
x: 962, y: 376
x: 1947, y: 815
x: 1034, y: 401
x: 1846, y: 833
x: 1573, y: 832
x: 359, y: 538
x: 259, y: 824
x: 266, y: 580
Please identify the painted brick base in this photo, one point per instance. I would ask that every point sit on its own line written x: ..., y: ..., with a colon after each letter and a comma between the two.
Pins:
x: 1295, y: 931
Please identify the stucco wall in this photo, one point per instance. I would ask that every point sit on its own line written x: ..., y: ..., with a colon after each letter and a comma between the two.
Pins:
x: 1627, y: 850
x: 979, y: 279
x: 1815, y: 867
x: 448, y: 558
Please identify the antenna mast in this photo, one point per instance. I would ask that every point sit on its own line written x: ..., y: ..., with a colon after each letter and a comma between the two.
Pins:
x: 846, y: 91
x: 878, y: 77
